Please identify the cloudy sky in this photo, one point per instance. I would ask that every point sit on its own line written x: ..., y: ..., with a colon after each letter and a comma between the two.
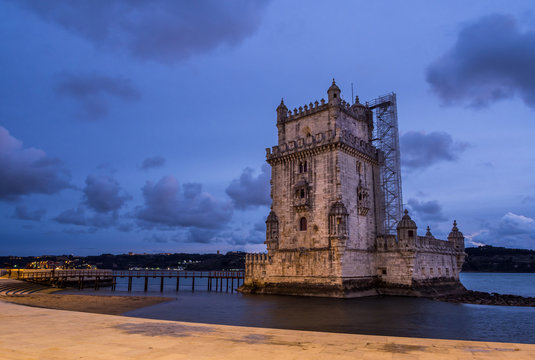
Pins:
x: 141, y: 126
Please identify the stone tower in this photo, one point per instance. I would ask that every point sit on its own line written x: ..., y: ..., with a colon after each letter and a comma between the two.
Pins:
x: 327, y: 205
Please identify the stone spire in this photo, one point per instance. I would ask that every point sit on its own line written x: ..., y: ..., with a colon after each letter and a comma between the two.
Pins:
x: 428, y: 233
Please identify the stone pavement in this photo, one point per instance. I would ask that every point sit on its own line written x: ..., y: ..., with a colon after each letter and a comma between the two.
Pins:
x: 37, y: 333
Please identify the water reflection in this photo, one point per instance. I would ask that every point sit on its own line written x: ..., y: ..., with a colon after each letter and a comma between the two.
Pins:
x: 393, y: 316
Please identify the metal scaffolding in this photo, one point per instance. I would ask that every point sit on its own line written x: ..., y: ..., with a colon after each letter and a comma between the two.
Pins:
x: 386, y: 139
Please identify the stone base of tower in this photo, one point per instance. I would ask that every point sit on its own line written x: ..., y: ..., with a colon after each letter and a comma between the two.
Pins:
x: 353, y: 288
x: 336, y: 289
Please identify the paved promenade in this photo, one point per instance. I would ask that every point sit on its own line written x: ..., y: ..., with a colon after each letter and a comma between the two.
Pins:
x: 37, y: 333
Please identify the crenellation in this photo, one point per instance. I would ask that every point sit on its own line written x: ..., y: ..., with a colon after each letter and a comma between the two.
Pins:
x: 323, y: 138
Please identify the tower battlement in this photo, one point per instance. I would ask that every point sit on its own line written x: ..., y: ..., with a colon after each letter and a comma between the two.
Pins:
x: 312, y: 108
x: 327, y: 139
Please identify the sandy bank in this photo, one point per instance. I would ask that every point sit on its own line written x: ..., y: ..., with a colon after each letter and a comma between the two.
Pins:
x: 111, y: 305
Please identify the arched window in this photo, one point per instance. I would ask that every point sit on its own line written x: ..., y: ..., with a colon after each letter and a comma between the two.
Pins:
x: 302, y: 193
x: 300, y: 167
x: 303, y: 224
x: 305, y: 167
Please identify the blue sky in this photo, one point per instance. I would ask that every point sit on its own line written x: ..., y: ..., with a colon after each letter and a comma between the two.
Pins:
x: 142, y: 126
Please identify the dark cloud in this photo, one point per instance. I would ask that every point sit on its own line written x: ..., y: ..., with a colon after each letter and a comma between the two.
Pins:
x: 79, y: 217
x: 427, y: 210
x: 28, y: 170
x: 201, y: 236
x: 492, y: 59
x: 161, y: 30
x: 260, y: 226
x: 153, y: 162
x: 512, y: 230
x: 249, y: 191
x: 72, y: 217
x: 166, y: 205
x: 22, y: 213
x: 125, y: 227
x: 104, y: 194
x: 252, y: 236
x: 157, y: 238
x: 94, y: 91
x: 420, y: 150
x: 78, y: 231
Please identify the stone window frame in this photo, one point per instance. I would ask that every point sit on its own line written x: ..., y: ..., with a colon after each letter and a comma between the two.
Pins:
x: 303, y: 224
x: 303, y: 167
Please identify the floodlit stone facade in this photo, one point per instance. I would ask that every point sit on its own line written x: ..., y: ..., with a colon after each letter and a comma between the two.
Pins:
x: 324, y: 233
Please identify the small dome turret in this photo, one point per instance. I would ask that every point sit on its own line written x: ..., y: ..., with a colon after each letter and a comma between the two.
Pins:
x: 282, y: 111
x: 282, y: 106
x: 406, y: 222
x: 455, y: 233
x: 334, y: 87
x: 428, y: 233
x: 457, y: 238
x: 334, y: 94
x: 357, y: 103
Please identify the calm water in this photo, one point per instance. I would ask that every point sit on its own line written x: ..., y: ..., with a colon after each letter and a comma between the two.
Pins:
x: 393, y: 316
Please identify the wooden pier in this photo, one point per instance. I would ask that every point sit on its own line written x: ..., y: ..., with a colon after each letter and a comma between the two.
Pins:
x: 224, y: 281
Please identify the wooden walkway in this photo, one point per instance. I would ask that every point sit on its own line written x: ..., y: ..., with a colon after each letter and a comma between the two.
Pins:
x: 227, y: 281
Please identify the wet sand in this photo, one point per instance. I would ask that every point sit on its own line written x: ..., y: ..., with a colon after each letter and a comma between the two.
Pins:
x: 110, y: 305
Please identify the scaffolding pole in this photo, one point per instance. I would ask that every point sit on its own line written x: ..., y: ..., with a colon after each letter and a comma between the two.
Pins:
x: 386, y: 139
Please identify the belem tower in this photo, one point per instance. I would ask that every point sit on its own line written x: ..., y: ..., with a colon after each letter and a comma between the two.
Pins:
x: 325, y: 233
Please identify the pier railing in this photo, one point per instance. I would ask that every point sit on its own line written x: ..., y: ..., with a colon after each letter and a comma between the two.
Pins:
x: 228, y: 280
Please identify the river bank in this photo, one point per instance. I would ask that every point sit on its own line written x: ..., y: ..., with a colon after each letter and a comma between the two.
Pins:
x: 29, y: 333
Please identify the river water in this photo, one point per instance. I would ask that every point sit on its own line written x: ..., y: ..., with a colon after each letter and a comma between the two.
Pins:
x: 392, y: 316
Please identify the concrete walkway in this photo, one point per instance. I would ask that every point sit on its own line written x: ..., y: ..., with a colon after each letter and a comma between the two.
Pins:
x: 10, y: 287
x: 36, y: 333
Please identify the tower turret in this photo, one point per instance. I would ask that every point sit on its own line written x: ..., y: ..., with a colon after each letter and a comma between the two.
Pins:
x: 272, y: 231
x: 406, y: 229
x: 282, y: 112
x: 334, y: 94
x: 282, y: 116
x: 457, y: 238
